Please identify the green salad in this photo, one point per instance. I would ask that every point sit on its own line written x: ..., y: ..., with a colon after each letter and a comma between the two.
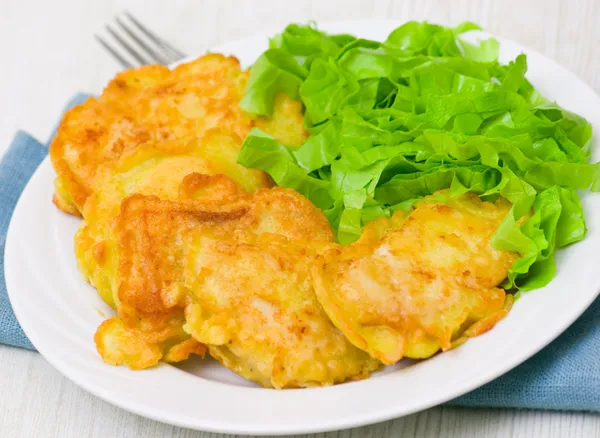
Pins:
x: 391, y: 122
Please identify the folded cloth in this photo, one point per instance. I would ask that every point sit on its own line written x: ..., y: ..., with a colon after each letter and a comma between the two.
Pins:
x: 19, y: 162
x: 563, y: 376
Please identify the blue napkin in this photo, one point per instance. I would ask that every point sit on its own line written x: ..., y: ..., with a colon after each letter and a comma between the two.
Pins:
x: 563, y: 376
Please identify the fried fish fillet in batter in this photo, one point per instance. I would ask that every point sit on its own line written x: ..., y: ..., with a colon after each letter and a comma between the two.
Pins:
x: 253, y: 304
x: 156, y: 104
x: 414, y: 285
x: 151, y: 169
x: 151, y: 233
x: 144, y: 280
x: 152, y: 251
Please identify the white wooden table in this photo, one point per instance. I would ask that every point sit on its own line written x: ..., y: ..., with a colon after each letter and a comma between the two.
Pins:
x: 48, y: 53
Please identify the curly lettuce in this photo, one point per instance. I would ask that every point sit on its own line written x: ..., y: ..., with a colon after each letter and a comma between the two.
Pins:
x: 394, y: 121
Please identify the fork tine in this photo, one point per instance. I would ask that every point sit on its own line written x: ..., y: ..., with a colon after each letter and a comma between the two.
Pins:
x: 139, y: 58
x: 157, y: 57
x: 177, y: 54
x: 114, y: 53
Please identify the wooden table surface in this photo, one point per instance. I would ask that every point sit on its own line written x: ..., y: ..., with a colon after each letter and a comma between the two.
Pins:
x: 49, y: 53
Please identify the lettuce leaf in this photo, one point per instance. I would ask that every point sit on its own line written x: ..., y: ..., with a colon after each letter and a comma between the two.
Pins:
x: 424, y: 110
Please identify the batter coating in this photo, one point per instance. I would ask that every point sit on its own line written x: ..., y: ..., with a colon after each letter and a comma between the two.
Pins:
x: 418, y: 282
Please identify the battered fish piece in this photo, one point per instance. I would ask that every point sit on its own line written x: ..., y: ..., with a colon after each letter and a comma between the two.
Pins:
x: 144, y: 271
x: 151, y: 169
x: 155, y: 104
x: 151, y: 234
x: 414, y: 285
x: 150, y: 128
x: 147, y: 342
x: 143, y: 274
x: 253, y: 304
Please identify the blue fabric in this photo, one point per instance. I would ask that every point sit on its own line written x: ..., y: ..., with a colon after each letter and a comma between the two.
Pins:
x: 563, y: 376
x: 22, y: 158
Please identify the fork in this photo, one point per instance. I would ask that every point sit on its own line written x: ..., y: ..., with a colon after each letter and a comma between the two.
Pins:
x: 144, y: 47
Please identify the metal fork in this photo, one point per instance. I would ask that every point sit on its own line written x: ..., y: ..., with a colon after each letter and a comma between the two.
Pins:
x: 144, y: 48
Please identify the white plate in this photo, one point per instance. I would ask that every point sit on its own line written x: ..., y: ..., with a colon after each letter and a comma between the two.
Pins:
x: 60, y: 312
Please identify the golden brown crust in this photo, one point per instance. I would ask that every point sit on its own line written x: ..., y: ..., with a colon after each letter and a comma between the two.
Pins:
x: 151, y: 103
x: 207, y: 187
x: 254, y: 305
x: 287, y: 122
x: 184, y: 350
x: 148, y: 230
x: 149, y: 129
x: 152, y: 169
x: 146, y: 343
x: 411, y: 288
x: 150, y: 236
x: 154, y: 104
x: 66, y: 207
